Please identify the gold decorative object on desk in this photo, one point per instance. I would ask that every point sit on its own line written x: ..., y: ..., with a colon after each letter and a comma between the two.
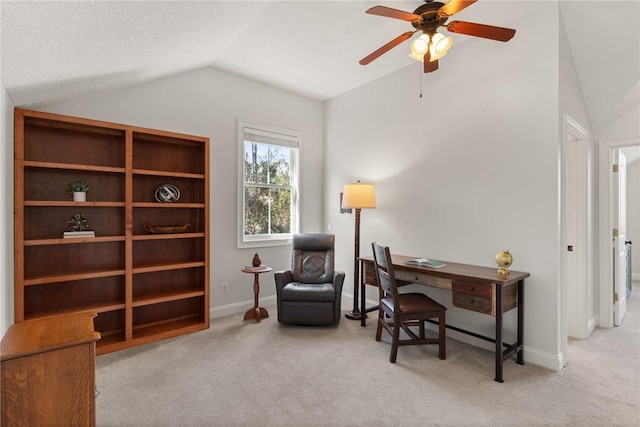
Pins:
x: 504, y: 261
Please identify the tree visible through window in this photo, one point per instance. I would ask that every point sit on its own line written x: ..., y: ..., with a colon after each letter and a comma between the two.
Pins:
x: 269, y: 184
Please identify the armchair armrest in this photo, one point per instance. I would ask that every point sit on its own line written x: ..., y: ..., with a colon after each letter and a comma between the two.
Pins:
x: 282, y: 278
x: 338, y: 280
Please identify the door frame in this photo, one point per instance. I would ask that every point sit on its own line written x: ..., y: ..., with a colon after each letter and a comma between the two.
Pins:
x: 620, y: 251
x: 577, y: 281
x: 605, y: 227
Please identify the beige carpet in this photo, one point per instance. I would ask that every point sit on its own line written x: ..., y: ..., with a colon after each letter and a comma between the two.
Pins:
x: 242, y: 373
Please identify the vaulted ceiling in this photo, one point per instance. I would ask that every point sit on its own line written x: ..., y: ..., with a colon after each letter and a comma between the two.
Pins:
x: 53, y: 51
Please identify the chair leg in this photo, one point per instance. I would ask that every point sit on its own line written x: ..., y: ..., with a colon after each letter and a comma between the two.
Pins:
x: 394, y: 342
x: 422, y: 322
x: 442, y: 335
x: 379, y: 329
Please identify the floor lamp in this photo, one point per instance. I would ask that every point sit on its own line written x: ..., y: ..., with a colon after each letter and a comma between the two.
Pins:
x: 358, y: 195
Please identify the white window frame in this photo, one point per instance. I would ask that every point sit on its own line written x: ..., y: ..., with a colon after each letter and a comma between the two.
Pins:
x: 269, y: 135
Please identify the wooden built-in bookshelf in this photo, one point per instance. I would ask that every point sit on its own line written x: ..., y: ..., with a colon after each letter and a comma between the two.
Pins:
x: 143, y: 287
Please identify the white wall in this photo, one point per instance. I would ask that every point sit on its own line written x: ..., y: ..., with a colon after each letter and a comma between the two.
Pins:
x: 469, y: 169
x: 626, y: 126
x: 572, y: 103
x: 208, y: 102
x: 6, y: 213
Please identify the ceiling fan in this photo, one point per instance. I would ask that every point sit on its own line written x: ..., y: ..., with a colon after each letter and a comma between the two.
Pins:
x: 431, y: 45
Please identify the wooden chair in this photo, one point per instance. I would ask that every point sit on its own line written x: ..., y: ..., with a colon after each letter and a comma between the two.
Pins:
x: 399, y: 311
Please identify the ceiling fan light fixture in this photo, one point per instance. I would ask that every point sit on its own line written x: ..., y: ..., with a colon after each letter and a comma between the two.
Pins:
x: 419, y: 47
x: 427, y: 19
x: 440, y: 45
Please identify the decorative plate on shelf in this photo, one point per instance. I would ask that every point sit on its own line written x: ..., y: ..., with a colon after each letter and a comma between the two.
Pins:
x: 166, y: 229
x: 167, y: 193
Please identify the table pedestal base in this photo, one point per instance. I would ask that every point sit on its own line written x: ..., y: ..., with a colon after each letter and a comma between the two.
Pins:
x: 257, y: 313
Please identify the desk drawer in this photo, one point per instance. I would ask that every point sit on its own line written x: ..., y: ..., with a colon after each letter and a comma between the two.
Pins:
x: 473, y: 296
x: 470, y: 288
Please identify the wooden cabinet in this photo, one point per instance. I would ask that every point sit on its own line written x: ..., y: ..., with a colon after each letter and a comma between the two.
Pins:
x: 48, y: 372
x: 143, y: 286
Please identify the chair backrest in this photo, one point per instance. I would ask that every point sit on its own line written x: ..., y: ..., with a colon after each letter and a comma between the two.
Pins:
x: 384, y: 269
x: 313, y: 258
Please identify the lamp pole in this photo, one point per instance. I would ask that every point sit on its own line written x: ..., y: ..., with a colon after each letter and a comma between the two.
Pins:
x: 358, y: 195
x: 355, y: 314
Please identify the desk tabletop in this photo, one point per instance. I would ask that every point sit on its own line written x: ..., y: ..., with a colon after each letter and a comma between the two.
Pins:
x: 457, y: 271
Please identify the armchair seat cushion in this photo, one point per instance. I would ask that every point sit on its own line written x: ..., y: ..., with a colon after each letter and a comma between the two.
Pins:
x: 316, y: 292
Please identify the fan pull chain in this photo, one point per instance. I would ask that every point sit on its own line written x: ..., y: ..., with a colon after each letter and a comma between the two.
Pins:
x: 420, y: 71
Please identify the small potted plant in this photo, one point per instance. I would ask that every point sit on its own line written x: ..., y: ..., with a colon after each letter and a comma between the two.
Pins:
x: 79, y: 190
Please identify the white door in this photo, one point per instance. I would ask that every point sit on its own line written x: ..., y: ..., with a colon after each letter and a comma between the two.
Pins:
x: 575, y: 229
x: 619, y: 206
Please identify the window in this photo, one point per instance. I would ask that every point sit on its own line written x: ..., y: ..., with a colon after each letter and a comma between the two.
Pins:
x: 268, y: 190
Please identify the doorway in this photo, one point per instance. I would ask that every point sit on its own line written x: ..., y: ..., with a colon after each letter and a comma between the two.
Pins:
x: 612, y: 198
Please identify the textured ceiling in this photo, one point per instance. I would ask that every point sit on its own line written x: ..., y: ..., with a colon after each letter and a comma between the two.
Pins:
x: 53, y: 51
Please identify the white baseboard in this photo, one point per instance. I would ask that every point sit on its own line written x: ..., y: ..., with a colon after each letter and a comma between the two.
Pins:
x: 555, y: 362
x: 240, y: 307
x: 591, y: 325
x: 635, y: 277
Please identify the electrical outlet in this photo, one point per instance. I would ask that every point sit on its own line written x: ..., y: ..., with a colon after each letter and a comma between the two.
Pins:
x: 224, y: 287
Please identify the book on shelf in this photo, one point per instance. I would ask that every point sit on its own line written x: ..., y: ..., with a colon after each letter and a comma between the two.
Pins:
x: 76, y: 234
x: 424, y: 262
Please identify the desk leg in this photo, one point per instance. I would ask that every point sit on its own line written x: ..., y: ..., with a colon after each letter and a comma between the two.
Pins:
x: 363, y: 296
x: 520, y: 353
x: 499, y: 358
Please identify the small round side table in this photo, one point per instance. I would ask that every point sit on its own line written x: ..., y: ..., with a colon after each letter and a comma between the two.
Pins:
x: 256, y: 312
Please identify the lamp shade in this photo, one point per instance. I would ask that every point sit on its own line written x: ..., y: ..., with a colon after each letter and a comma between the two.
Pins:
x: 359, y: 195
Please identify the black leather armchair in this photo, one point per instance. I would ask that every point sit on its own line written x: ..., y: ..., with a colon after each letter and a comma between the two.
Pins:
x: 310, y: 293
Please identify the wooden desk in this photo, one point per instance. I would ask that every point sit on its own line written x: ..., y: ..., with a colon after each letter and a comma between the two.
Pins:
x: 474, y: 288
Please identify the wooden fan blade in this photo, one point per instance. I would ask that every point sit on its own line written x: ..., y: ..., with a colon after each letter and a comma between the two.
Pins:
x: 429, y: 66
x: 387, y: 47
x: 481, y: 30
x: 455, y: 6
x: 392, y: 13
